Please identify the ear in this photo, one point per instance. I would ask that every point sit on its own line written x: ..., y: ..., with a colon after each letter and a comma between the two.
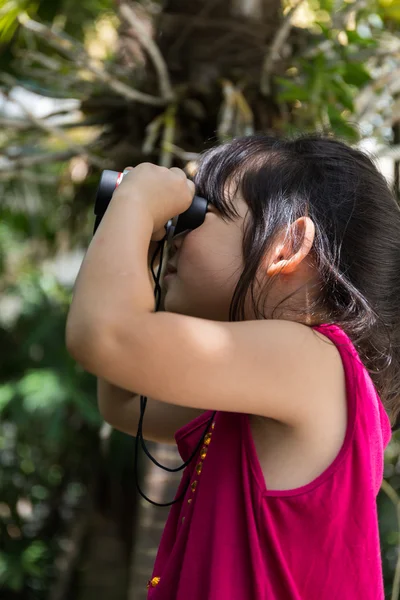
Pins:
x: 285, y: 259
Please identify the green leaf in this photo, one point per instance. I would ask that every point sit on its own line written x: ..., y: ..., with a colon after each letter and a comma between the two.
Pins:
x: 326, y: 5
x: 327, y: 31
x: 343, y: 93
x: 390, y: 9
x: 3, y: 567
x: 14, y: 577
x: 340, y: 126
x: 356, y: 74
x: 294, y: 95
x: 355, y: 38
x: 87, y: 408
x: 9, y: 12
x: 41, y: 390
x: 7, y: 393
x: 292, y: 91
x: 32, y: 557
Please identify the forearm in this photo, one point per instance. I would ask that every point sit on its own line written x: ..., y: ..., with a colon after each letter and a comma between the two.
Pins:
x: 118, y: 407
x: 107, y: 393
x: 114, y: 283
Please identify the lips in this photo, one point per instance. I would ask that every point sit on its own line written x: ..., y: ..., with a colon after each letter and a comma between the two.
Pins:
x: 170, y: 269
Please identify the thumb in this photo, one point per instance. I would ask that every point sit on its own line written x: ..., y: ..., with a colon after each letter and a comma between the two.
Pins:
x: 158, y: 235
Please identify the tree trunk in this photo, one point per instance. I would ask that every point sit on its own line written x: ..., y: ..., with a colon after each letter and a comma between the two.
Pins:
x: 214, y: 52
x: 102, y: 566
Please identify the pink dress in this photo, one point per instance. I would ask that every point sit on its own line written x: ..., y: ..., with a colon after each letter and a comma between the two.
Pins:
x: 231, y: 538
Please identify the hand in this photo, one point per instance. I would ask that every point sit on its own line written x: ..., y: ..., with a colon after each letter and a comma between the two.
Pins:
x: 165, y: 192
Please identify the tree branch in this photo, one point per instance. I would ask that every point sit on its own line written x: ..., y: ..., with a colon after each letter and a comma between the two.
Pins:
x: 71, y: 50
x: 21, y: 162
x: 50, y: 63
x: 27, y: 176
x: 152, y: 49
x: 16, y: 124
x: 51, y: 129
x: 180, y: 153
x: 274, y: 50
x: 168, y: 137
x: 25, y: 124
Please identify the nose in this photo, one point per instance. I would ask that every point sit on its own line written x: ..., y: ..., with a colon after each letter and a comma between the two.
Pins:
x: 177, y: 241
x: 174, y: 246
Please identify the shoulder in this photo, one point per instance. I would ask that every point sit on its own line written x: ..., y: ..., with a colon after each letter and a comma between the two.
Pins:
x: 306, y: 376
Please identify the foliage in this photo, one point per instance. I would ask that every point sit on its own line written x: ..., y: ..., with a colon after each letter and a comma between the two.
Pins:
x: 324, y: 82
x: 75, y: 16
x: 48, y: 422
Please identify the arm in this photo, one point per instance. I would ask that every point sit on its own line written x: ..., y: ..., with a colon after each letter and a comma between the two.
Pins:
x: 121, y: 408
x: 270, y: 368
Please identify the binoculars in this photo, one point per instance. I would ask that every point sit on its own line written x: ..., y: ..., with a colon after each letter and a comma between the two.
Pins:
x: 190, y: 219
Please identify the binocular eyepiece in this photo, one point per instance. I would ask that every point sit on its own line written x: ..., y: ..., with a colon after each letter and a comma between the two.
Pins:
x: 190, y: 219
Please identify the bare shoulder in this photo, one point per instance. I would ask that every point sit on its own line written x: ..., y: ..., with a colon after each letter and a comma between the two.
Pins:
x: 328, y: 383
x: 324, y: 431
x: 330, y: 361
x: 313, y: 360
x: 293, y: 456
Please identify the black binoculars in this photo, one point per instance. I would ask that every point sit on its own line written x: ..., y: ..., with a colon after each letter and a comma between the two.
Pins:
x: 190, y: 219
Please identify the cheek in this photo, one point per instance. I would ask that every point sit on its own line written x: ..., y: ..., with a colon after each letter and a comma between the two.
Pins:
x: 213, y: 261
x: 209, y: 266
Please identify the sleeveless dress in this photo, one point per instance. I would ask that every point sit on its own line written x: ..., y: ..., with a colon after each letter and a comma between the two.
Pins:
x: 232, y: 538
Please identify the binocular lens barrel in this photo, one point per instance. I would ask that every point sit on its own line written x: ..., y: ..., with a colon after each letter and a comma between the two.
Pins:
x: 190, y: 219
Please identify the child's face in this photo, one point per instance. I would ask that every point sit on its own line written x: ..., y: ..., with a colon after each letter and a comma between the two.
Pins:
x: 209, y: 263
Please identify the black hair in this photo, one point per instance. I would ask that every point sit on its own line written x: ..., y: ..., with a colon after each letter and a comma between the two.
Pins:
x: 356, y: 249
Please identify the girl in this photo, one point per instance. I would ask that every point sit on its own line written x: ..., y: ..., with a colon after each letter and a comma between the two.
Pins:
x: 278, y: 351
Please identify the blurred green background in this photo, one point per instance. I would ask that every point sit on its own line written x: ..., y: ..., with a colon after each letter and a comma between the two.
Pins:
x: 87, y: 85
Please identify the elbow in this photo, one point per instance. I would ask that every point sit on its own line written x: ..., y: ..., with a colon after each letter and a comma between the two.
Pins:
x: 89, y: 345
x: 75, y: 338
x: 105, y: 413
x: 84, y: 352
x: 76, y: 349
x: 103, y: 404
x: 81, y: 327
x: 111, y: 412
x: 82, y: 343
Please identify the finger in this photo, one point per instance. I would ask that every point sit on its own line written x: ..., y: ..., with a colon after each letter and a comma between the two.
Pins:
x: 179, y: 172
x: 158, y: 235
x: 192, y: 187
x: 127, y: 171
x: 182, y: 174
